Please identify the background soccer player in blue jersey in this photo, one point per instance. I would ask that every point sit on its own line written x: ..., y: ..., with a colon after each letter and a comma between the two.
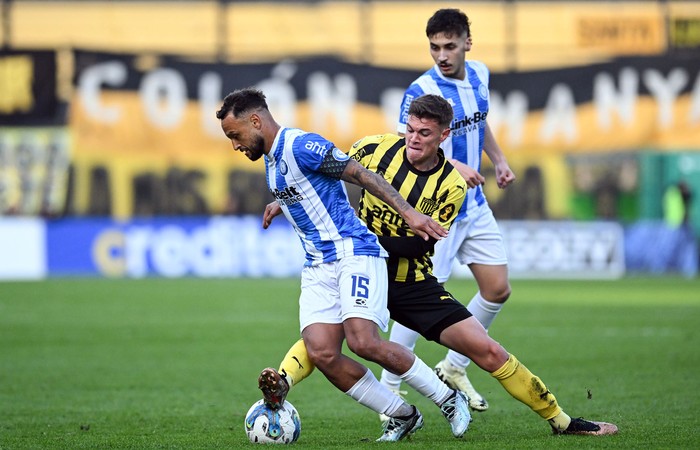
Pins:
x: 344, y: 280
x: 474, y: 239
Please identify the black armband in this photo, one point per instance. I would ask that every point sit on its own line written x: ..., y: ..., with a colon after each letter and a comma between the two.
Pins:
x: 332, y: 166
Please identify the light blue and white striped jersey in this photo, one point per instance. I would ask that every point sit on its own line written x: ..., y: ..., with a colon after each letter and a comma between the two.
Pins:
x: 470, y: 103
x: 314, y: 202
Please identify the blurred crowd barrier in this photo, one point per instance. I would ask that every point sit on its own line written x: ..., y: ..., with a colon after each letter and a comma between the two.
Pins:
x: 239, y: 247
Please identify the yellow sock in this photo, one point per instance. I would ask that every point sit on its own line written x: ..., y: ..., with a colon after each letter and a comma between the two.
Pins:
x: 296, y: 364
x: 529, y: 389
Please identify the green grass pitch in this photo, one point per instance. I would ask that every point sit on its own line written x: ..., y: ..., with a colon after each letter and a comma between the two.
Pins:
x: 157, y: 363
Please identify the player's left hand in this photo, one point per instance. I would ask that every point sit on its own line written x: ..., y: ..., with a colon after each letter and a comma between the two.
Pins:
x: 272, y: 210
x: 425, y: 226
x: 470, y: 175
x: 504, y: 176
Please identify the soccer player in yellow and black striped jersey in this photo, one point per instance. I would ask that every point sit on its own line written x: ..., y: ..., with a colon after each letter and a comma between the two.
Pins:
x: 417, y: 169
x: 427, y: 181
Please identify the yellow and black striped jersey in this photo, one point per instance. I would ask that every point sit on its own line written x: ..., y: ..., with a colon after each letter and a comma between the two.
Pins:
x: 438, y: 193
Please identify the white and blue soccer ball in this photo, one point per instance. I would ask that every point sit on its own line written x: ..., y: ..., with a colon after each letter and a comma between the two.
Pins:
x: 265, y: 425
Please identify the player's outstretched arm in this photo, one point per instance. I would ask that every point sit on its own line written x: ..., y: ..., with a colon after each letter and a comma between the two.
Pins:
x: 422, y: 225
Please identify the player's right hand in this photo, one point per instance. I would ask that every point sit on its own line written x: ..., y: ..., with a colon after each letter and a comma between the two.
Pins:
x: 425, y: 226
x: 272, y: 210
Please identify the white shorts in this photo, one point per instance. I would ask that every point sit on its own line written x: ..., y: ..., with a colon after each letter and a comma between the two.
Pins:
x: 475, y: 239
x: 354, y: 286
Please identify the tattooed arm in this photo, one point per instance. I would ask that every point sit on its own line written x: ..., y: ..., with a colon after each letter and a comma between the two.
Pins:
x: 422, y: 225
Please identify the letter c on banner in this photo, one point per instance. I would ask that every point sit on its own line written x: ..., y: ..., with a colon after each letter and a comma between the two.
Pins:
x: 164, y: 96
x: 108, y: 253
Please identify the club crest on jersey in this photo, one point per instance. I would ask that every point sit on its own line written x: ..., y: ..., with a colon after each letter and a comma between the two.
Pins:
x: 483, y: 91
x: 283, y: 167
x: 339, y: 155
x: 428, y: 206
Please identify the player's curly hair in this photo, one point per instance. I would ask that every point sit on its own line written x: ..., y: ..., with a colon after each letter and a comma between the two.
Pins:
x: 240, y: 101
x: 432, y: 106
x: 450, y: 21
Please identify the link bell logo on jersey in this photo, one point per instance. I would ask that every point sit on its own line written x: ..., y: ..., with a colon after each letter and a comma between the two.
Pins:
x: 339, y: 155
x: 467, y: 124
x: 287, y: 196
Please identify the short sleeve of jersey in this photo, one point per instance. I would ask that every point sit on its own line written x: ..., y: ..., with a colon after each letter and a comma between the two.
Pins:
x: 482, y: 72
x: 359, y: 150
x: 334, y: 163
x: 317, y: 154
x: 413, y: 91
x: 454, y: 191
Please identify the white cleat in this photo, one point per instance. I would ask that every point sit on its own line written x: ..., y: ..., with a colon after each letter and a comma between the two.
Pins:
x: 456, y: 412
x: 383, y: 418
x: 456, y: 378
x: 397, y: 428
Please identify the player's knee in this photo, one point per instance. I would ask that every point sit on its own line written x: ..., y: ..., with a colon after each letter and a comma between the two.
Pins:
x: 363, y: 346
x: 323, y: 357
x: 498, y: 293
x: 493, y: 357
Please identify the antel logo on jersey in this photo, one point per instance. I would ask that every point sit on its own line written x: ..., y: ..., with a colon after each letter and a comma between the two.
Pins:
x: 315, y: 147
x: 404, y: 108
x: 287, y: 196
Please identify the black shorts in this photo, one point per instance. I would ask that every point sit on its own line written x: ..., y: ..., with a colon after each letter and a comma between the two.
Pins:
x: 425, y: 307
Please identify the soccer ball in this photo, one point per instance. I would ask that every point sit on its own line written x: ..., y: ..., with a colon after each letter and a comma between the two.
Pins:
x: 263, y: 425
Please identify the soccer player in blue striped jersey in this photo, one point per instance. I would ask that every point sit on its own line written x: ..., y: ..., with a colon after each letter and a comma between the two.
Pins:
x: 344, y: 279
x: 474, y: 239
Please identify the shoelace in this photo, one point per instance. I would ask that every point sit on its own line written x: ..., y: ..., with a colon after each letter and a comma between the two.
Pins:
x: 449, y: 407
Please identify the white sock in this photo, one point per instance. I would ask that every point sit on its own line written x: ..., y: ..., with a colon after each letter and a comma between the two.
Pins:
x: 406, y: 337
x: 484, y: 311
x: 422, y: 378
x: 371, y: 393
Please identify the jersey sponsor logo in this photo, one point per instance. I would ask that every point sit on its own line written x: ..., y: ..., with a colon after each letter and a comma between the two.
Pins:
x: 467, y: 124
x: 287, y: 196
x: 283, y: 167
x: 339, y: 155
x: 315, y: 147
x: 447, y: 212
x: 404, y: 107
x: 388, y: 216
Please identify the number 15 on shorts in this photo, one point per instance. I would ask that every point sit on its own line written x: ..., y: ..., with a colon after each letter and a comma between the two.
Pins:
x: 360, y: 289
